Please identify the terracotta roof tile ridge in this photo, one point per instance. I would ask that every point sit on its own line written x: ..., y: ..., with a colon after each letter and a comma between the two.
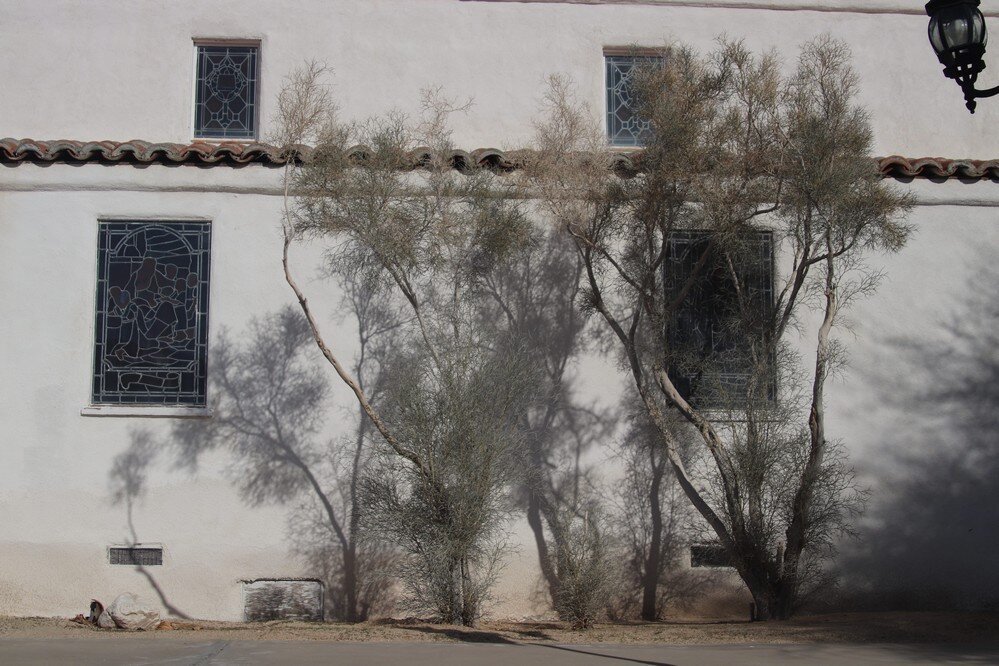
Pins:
x: 938, y: 167
x: 235, y: 153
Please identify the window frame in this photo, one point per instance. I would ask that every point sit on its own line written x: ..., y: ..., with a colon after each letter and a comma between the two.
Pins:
x: 148, y: 409
x: 200, y: 42
x: 619, y: 52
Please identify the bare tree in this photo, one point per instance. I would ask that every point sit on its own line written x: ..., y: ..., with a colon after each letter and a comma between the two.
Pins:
x: 446, y: 422
x: 452, y: 526
x: 735, y: 151
x: 582, y: 562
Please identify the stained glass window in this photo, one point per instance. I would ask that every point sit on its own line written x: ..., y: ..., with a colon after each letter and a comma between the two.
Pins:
x: 624, y: 127
x: 225, y: 102
x: 709, y: 337
x: 151, y: 330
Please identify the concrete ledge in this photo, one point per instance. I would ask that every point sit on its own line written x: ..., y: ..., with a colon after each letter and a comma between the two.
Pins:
x: 148, y: 411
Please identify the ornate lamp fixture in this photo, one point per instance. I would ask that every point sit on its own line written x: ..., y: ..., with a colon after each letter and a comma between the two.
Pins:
x: 958, y: 35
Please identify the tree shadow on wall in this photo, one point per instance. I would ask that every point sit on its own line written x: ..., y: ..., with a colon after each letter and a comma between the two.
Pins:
x: 128, y: 479
x: 270, y: 403
x: 931, y: 536
x: 534, y: 300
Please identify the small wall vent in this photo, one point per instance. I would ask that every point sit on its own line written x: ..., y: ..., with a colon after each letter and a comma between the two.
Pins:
x: 141, y: 556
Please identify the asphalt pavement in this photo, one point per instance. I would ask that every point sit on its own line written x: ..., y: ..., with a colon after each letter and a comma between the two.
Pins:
x: 16, y: 651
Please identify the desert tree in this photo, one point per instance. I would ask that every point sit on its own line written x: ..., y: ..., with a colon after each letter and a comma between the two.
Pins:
x: 355, y: 566
x: 741, y: 164
x: 453, y: 530
x: 583, y: 561
x: 386, y: 194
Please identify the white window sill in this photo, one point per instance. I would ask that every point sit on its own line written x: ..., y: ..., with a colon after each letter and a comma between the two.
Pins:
x: 153, y: 411
x: 223, y: 139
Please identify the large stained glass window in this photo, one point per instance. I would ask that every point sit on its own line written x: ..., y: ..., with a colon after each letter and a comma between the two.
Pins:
x: 710, y: 335
x: 226, y: 98
x: 151, y: 330
x: 624, y: 126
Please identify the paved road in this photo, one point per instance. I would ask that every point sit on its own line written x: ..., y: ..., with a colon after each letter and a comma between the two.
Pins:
x: 120, y: 650
x: 18, y: 651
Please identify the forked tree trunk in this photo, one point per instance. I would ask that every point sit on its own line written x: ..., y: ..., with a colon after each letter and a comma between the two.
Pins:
x: 534, y: 519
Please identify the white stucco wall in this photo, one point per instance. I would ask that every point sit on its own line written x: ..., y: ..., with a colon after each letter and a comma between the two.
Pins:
x: 54, y: 464
x: 110, y: 70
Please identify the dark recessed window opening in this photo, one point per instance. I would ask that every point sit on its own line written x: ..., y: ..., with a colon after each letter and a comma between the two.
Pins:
x: 136, y: 556
x: 225, y: 102
x: 717, y: 329
x: 709, y: 555
x: 151, y: 330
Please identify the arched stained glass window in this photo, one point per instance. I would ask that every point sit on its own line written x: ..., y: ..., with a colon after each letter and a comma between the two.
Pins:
x: 151, y: 330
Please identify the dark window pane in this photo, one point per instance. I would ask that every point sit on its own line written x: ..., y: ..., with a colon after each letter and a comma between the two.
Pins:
x: 709, y: 555
x: 225, y: 102
x: 151, y: 331
x: 624, y: 127
x: 711, y: 334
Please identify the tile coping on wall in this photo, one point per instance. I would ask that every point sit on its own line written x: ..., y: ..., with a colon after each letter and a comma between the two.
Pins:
x: 234, y: 154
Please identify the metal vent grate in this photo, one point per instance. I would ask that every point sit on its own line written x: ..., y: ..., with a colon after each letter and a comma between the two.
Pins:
x: 136, y: 556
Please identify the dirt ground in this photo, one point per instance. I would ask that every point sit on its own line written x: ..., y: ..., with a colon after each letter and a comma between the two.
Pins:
x: 834, y: 628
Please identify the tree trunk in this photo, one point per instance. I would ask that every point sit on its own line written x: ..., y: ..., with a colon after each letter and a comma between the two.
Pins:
x: 350, y: 563
x: 452, y: 614
x: 650, y: 582
x: 785, y: 603
x: 350, y: 583
x: 764, y: 601
x: 468, y: 609
x: 773, y: 598
x: 544, y: 557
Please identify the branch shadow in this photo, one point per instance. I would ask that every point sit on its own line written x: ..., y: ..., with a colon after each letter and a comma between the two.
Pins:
x: 128, y: 478
x: 269, y: 423
x: 930, y: 538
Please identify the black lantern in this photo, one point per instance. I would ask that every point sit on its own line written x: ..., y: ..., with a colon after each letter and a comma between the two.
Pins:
x: 958, y: 35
